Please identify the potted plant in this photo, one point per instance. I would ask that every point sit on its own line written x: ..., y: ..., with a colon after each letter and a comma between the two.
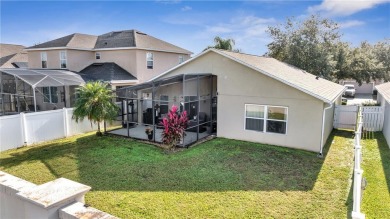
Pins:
x: 149, y: 133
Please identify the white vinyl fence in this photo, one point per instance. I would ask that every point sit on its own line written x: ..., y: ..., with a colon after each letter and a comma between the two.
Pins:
x: 357, y: 171
x: 30, y: 128
x: 373, y: 118
x: 345, y: 117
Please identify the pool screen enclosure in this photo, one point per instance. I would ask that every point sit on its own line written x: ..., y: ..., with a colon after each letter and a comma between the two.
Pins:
x: 145, y: 105
x: 20, y: 89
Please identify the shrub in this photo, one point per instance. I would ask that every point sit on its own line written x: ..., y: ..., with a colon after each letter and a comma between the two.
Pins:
x: 174, y: 126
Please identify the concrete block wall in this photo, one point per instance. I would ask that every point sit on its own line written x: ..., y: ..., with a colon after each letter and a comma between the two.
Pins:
x: 61, y: 198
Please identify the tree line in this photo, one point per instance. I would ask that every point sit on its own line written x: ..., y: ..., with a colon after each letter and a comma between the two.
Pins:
x: 315, y: 45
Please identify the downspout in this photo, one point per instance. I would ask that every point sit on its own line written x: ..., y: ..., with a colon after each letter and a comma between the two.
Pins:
x: 323, y: 128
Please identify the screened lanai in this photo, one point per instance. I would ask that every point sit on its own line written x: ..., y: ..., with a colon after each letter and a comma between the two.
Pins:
x: 28, y: 90
x: 145, y: 105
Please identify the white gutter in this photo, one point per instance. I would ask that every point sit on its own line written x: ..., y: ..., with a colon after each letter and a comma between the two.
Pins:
x: 323, y: 128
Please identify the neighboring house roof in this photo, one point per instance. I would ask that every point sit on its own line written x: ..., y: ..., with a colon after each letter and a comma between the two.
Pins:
x: 76, y: 40
x: 107, y: 71
x: 11, y: 54
x: 317, y: 87
x: 112, y: 40
x: 9, y: 49
x: 384, y: 90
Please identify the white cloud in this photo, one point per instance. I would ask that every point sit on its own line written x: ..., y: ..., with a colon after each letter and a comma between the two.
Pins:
x: 351, y: 23
x: 344, y: 7
x: 249, y: 32
x: 186, y: 8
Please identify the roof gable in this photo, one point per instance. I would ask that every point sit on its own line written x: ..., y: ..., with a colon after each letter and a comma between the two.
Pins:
x: 319, y: 88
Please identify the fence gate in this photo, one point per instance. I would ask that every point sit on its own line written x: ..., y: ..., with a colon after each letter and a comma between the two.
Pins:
x: 373, y: 118
x: 345, y: 117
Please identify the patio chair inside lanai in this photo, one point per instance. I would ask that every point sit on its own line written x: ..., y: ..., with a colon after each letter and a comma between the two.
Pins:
x: 145, y: 105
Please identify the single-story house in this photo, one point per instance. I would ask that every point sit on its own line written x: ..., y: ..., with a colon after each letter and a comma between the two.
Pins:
x: 239, y: 96
x: 384, y: 100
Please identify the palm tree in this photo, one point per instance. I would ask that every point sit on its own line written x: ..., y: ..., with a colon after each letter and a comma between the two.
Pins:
x: 224, y: 44
x: 95, y: 101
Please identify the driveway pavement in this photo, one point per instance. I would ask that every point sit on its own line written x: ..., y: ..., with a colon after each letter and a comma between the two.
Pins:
x: 360, y: 99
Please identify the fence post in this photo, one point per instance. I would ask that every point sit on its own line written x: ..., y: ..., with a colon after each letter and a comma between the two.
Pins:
x: 65, y: 117
x: 23, y: 127
x: 358, y: 172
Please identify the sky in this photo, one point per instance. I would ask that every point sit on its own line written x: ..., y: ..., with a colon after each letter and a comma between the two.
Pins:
x: 189, y: 24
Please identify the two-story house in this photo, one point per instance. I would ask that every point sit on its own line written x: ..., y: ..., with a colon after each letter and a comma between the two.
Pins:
x: 121, y: 58
x: 57, y: 67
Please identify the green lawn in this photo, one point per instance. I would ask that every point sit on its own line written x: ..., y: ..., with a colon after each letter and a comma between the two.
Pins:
x: 220, y: 178
x: 376, y: 166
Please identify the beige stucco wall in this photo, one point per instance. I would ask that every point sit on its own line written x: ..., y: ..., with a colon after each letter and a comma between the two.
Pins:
x: 53, y: 59
x: 162, y: 62
x: 78, y: 59
x: 132, y: 60
x: 386, y: 123
x: 124, y: 58
x: 238, y: 85
x: 43, y: 106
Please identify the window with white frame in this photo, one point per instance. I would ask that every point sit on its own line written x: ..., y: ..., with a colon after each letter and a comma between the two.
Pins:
x: 149, y: 60
x: 97, y: 55
x: 181, y: 59
x: 62, y: 59
x: 50, y: 94
x: 43, y: 59
x: 262, y: 118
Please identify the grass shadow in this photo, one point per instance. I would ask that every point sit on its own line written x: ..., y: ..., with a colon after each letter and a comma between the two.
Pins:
x: 120, y: 164
x: 384, y: 151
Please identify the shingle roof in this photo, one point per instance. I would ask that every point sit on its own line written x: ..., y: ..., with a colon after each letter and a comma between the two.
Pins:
x: 291, y: 75
x: 9, y: 49
x: 76, y: 40
x: 320, y: 88
x: 384, y: 90
x: 107, y: 71
x: 7, y: 61
x: 114, y: 39
x: 149, y: 42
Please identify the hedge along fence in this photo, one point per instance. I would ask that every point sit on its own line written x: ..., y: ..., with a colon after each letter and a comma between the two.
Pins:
x: 31, y: 128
